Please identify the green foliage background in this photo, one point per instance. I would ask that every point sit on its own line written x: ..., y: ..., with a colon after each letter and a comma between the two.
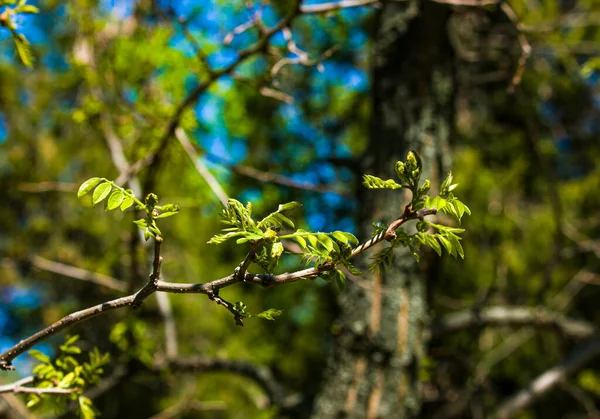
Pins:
x: 527, y: 164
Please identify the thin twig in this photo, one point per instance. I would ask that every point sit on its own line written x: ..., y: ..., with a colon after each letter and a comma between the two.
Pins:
x: 468, y: 3
x: 211, y: 289
x: 19, y: 387
x: 212, y: 182
x: 40, y: 187
x: 78, y: 273
x: 512, y: 316
x: 154, y: 277
x: 269, y: 177
x: 336, y: 5
x: 153, y: 159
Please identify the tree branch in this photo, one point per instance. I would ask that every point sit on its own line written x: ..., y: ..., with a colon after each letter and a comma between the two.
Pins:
x: 19, y: 387
x: 212, y: 182
x: 262, y: 375
x: 211, y: 289
x: 78, y: 273
x: 512, y: 316
x: 153, y: 159
x: 549, y: 380
x: 336, y: 5
x: 79, y: 316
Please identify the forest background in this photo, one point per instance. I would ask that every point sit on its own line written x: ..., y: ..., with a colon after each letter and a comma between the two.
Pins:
x: 280, y: 101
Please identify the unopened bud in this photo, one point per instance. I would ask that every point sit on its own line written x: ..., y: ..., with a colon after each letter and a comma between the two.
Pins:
x: 422, y: 226
x: 151, y: 200
x: 401, y: 171
x: 270, y: 234
x: 276, y: 250
x: 425, y: 187
x: 411, y: 161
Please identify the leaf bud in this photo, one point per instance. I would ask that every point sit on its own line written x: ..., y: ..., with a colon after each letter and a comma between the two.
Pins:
x: 270, y: 234
x: 151, y: 200
x: 401, y: 171
x: 425, y: 188
x: 276, y: 250
x: 411, y: 161
x: 422, y: 226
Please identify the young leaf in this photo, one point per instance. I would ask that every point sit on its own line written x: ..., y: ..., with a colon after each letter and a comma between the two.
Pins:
x: 301, y: 241
x: 373, y: 182
x: 269, y: 314
x: 23, y: 49
x: 88, y: 185
x: 27, y: 8
x: 434, y: 244
x: 340, y: 280
x: 127, y: 202
x: 445, y: 242
x: 101, y: 192
x: 35, y: 354
x: 115, y: 199
x: 288, y: 206
x: 325, y: 241
x: 166, y: 214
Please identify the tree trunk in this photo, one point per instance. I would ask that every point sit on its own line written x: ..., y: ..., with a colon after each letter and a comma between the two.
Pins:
x: 374, y: 369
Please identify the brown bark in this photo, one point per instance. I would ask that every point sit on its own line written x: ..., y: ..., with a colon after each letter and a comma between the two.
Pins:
x: 373, y: 371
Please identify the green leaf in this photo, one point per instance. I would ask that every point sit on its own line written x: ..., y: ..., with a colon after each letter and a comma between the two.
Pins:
x: 221, y: 238
x: 288, y: 206
x: 461, y: 208
x: 457, y: 247
x: 351, y: 237
x: 141, y: 223
x: 301, y: 241
x: 27, y: 8
x: 67, y: 380
x: 340, y: 236
x: 33, y: 401
x: 127, y: 202
x: 35, y: 354
x: 70, y: 349
x: 325, y: 241
x: 340, y: 280
x: 352, y: 269
x: 434, y: 244
x: 166, y: 214
x: 312, y: 239
x: 285, y: 220
x: 71, y: 340
x: 87, y: 408
x: 115, y: 199
x: 23, y: 49
x: 88, y: 185
x: 446, y: 243
x: 269, y: 314
x: 101, y: 192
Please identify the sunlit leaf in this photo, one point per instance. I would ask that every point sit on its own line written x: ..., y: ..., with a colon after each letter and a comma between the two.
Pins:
x: 101, y: 192
x: 87, y: 186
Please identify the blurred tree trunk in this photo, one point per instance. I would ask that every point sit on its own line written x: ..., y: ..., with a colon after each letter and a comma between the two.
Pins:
x: 381, y: 338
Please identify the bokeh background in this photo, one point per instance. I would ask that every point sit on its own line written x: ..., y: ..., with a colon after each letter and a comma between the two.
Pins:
x: 519, y: 127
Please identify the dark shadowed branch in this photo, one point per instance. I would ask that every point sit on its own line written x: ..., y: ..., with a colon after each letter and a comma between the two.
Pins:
x: 261, y: 375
